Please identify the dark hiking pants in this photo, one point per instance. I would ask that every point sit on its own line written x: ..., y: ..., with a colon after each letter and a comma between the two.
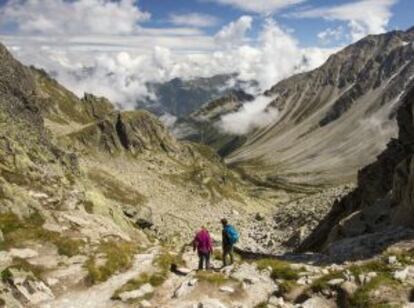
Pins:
x: 203, y: 260
x: 228, y: 251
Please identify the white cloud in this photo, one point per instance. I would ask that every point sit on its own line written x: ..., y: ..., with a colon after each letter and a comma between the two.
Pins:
x: 260, y: 6
x: 331, y: 35
x: 72, y: 17
x: 362, y: 17
x: 118, y: 65
x: 235, y: 32
x: 193, y: 20
x: 252, y: 115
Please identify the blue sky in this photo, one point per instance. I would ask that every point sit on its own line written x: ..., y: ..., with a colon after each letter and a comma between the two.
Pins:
x: 306, y: 30
x: 127, y: 43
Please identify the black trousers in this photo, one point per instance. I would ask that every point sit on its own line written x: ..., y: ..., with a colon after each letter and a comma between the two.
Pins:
x: 203, y: 260
x: 228, y: 251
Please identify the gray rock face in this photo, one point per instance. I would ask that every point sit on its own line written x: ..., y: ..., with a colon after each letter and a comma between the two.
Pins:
x: 382, y: 200
x: 30, y: 289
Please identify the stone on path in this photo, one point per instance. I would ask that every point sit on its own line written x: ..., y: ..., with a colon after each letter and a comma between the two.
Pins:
x: 185, y: 288
x: 335, y: 282
x: 24, y: 253
x: 226, y: 289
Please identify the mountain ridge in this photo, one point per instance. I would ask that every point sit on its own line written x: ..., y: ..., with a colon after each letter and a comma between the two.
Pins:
x: 357, y: 89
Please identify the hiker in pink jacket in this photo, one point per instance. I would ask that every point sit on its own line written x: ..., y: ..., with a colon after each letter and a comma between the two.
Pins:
x: 203, y: 243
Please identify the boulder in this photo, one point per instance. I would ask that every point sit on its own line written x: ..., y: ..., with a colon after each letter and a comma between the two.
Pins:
x: 404, y: 274
x: 210, y: 303
x: 144, y: 223
x: 335, y: 282
x: 226, y: 289
x: 141, y: 216
x: 24, y: 253
x: 317, y: 302
x: 182, y: 271
x: 145, y: 304
x: 392, y: 260
x: 349, y: 288
x: 185, y: 288
x: 28, y: 287
x: 259, y: 217
x: 278, y: 302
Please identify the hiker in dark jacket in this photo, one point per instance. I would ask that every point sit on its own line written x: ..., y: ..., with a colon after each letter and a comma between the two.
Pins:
x: 229, y: 238
x: 204, y: 246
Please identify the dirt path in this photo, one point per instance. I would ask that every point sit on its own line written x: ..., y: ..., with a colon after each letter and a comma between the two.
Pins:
x: 99, y: 296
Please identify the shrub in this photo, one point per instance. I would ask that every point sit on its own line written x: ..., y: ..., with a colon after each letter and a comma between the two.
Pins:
x: 280, y: 269
x: 119, y: 257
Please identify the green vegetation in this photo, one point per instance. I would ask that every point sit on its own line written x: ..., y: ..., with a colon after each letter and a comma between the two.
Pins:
x: 162, y: 263
x: 403, y: 257
x: 22, y: 264
x: 287, y: 286
x: 17, y: 232
x: 115, y: 189
x: 283, y: 271
x: 165, y: 259
x: 362, y: 298
x: 322, y: 283
x: 118, y: 257
x: 62, y: 105
x: 154, y: 279
x: 378, y: 266
x: 280, y: 269
x: 212, y: 277
x: 67, y: 246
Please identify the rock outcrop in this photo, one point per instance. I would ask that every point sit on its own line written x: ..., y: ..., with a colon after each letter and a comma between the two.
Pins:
x: 382, y: 201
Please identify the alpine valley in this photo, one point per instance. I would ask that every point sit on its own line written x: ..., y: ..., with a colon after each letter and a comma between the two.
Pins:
x: 98, y: 206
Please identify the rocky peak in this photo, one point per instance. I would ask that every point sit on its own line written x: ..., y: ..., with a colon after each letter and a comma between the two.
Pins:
x: 97, y: 107
x: 132, y: 131
x: 17, y: 87
x: 139, y: 130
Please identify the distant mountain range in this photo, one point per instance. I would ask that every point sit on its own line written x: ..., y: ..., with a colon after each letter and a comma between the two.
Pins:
x: 180, y: 97
x: 332, y: 121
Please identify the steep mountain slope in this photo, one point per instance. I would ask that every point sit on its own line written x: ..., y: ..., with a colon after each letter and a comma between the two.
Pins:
x: 335, y: 119
x: 182, y: 97
x: 382, y: 203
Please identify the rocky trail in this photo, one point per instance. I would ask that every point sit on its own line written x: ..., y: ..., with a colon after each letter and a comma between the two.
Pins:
x: 100, y: 295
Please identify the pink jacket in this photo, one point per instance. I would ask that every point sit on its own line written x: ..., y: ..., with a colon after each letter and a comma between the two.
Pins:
x: 202, y: 242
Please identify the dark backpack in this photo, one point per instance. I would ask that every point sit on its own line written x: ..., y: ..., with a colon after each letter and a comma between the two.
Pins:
x: 232, y: 234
